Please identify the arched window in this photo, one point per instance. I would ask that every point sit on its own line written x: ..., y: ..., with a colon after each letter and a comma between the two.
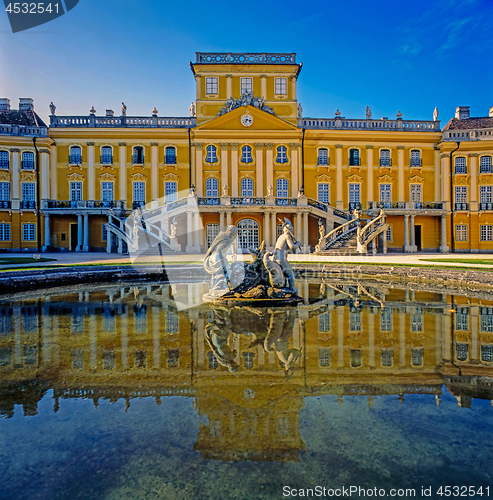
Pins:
x: 212, y: 188
x: 75, y: 156
x: 282, y: 188
x: 385, y: 158
x: 354, y: 158
x: 138, y: 155
x: 212, y: 232
x: 248, y: 234
x: 415, y: 158
x: 323, y: 156
x: 282, y: 154
x: 170, y: 158
x: 4, y: 159
x: 485, y: 165
x: 246, y: 154
x: 106, y: 155
x: 246, y: 187
x: 460, y: 165
x: 28, y: 160
x: 211, y: 154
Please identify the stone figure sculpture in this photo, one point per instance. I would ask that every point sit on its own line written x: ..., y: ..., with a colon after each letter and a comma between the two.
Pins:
x: 52, y: 108
x: 246, y: 99
x: 368, y: 112
x: 124, y: 109
x: 192, y: 109
x: 270, y: 190
x: 300, y: 111
x: 321, y: 229
x: 435, y: 114
x: 286, y: 243
x: 172, y: 231
x: 225, y: 190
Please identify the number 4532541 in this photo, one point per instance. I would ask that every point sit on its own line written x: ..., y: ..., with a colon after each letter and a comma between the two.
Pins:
x: 31, y: 8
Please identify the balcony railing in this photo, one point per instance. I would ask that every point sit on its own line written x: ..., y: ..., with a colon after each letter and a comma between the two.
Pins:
x: 208, y: 201
x: 317, y: 204
x: 177, y: 204
x: 245, y: 58
x: 416, y: 162
x: 5, y: 204
x: 75, y: 159
x: 486, y: 206
x: 461, y: 206
x: 369, y: 124
x: 354, y: 205
x: 355, y: 162
x: 247, y: 201
x: 82, y: 204
x: 286, y: 202
x: 23, y: 130
x: 93, y: 121
x: 28, y: 204
x: 403, y: 205
x: 137, y: 204
x: 385, y: 162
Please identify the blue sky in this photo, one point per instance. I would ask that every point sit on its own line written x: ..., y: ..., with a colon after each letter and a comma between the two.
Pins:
x: 390, y: 55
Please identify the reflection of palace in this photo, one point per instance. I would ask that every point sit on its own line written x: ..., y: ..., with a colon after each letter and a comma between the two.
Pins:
x: 251, y: 157
x: 249, y: 370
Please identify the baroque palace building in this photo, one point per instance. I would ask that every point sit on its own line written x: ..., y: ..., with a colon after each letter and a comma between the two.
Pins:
x: 246, y: 156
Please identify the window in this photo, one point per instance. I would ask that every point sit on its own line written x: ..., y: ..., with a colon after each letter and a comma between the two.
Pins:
x: 109, y: 360
x: 4, y: 191
x: 211, y: 154
x: 248, y: 234
x: 324, y: 357
x: 170, y: 189
x: 77, y: 322
x: 461, y: 197
x: 486, y: 232
x: 461, y: 351
x: 485, y: 165
x: 416, y: 190
x: 173, y: 357
x: 324, y: 323
x: 211, y: 85
x: 355, y: 321
x: 460, y: 232
x: 355, y: 358
x: 279, y: 230
x: 211, y: 188
x: 462, y: 319
x: 386, y: 320
x: 487, y: 353
x: 248, y: 360
x: 170, y: 158
x: 323, y: 156
x: 354, y: 196
x: 213, y: 364
x: 28, y: 191
x: 354, y: 157
x: 75, y: 191
x: 417, y: 322
x: 107, y: 191
x: 27, y: 160
x: 246, y: 86
x: 417, y: 357
x: 246, y: 154
x: 246, y: 187
x: 415, y: 158
x: 108, y: 320
x: 282, y: 188
x: 385, y: 158
x: 389, y: 233
x: 4, y: 159
x: 139, y: 192
x: 460, y: 165
x: 281, y: 86
x: 171, y: 322
x: 486, y: 317
x: 75, y: 156
x: 106, y: 155
x: 5, y: 232
x: 104, y: 232
x: 282, y: 156
x: 140, y: 319
x: 283, y: 426
x: 485, y: 194
x: 323, y: 192
x: 212, y: 232
x: 29, y: 232
x: 385, y: 194
x: 138, y: 155
x: 387, y: 357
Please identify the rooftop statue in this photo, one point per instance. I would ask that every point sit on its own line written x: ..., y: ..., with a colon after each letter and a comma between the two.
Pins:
x: 300, y: 111
x: 52, y: 108
x: 435, y: 114
x: 124, y: 109
x: 192, y: 109
x: 368, y: 112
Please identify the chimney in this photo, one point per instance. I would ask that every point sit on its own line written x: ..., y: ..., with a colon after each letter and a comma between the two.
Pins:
x: 462, y: 112
x: 491, y: 112
x: 26, y: 104
x: 5, y: 104
x: 110, y: 112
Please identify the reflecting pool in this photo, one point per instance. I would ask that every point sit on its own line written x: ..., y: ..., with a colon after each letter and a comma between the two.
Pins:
x: 111, y: 391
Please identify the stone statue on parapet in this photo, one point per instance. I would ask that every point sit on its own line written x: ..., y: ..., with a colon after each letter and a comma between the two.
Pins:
x: 321, y: 229
x: 52, y: 108
x: 270, y: 190
x: 225, y: 190
x: 368, y: 112
x: 192, y: 109
x: 435, y: 114
x: 300, y: 111
x: 124, y: 109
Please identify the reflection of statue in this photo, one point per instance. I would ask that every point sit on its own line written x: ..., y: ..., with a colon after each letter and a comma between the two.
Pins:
x: 368, y: 112
x: 285, y: 243
x: 225, y: 190
x: 435, y: 114
x: 321, y: 229
x: 270, y: 190
x: 217, y: 335
x: 192, y: 109
x: 52, y: 108
x: 124, y: 109
x: 216, y: 264
x: 300, y: 111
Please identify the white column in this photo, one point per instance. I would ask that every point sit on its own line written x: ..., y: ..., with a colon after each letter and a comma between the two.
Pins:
x: 444, y: 247
x: 371, y: 338
x: 123, y: 171
x: 190, y: 236
x: 229, y: 220
x: 123, y: 329
x: 198, y: 87
x: 85, y: 248
x: 269, y: 164
x: 47, y: 233
x: 414, y: 248
x: 266, y: 228
x: 340, y: 334
x: 45, y: 174
x: 447, y: 341
x: 274, y: 229
x: 294, y: 170
x: 15, y: 152
x: 154, y: 177
x: 293, y: 88
x: 229, y: 86
x: 199, y: 184
x: 53, y: 173
x: 91, y: 184
x: 221, y: 221
x: 306, y: 245
x: 234, y: 166
x: 445, y: 178
x: 298, y: 226
x: 339, y: 185
x: 369, y: 180
x: 406, y: 233
x: 263, y: 80
x: 259, y: 168
x: 474, y: 311
x: 437, y: 175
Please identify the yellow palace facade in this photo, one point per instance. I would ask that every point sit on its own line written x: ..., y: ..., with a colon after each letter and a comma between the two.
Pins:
x: 247, y: 156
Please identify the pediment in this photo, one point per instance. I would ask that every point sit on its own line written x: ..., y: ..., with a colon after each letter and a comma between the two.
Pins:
x: 385, y: 178
x: 323, y: 178
x: 416, y: 178
x: 354, y: 178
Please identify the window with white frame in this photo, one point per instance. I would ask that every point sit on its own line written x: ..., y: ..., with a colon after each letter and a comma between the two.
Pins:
x: 281, y: 86
x: 485, y: 194
x: 28, y: 160
x: 324, y: 357
x: 246, y: 85
x: 385, y: 158
x: 246, y: 154
x: 487, y: 353
x: 486, y: 232
x: 354, y: 160
x: 282, y: 154
x: 486, y: 319
x: 212, y: 231
x: 170, y: 190
x: 211, y: 85
x: 28, y: 232
x: 354, y: 193
x: 417, y: 322
x: 4, y: 191
x: 386, y: 320
x: 460, y: 195
x: 385, y: 193
x: 28, y: 194
x: 139, y: 192
x: 461, y: 351
x: 387, y: 357
x: 108, y: 320
x: 323, y: 156
x: 246, y: 187
x: 4, y: 159
x: 76, y: 191
x: 323, y: 192
x: 415, y: 158
x: 389, y: 233
x: 282, y: 188
x: 75, y: 156
x: 106, y: 155
x: 138, y: 155
x: 212, y: 188
x: 283, y: 426
x: 170, y: 155
x: 5, y: 231
x: 279, y: 230
x: 355, y: 321
x: 171, y: 322
x: 248, y: 234
x: 211, y: 156
x: 104, y: 232
x: 140, y: 318
x: 248, y: 358
x: 416, y: 193
x: 324, y: 322
x: 107, y: 191
x: 460, y: 165
x: 485, y: 165
x: 460, y: 232
x: 462, y: 319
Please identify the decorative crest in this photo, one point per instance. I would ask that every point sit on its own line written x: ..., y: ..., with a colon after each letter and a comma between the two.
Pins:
x: 246, y: 99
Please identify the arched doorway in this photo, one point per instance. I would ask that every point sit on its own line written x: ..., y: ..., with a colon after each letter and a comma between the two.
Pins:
x: 248, y: 235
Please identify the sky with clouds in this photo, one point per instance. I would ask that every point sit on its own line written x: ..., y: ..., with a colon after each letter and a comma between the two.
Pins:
x: 390, y: 55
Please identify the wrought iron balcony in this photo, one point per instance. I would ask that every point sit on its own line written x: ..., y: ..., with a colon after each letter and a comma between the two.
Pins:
x: 385, y: 162
x: 416, y: 162
x: 247, y: 201
x: 208, y: 201
x: 287, y: 201
x: 486, y: 206
x: 137, y: 204
x: 75, y: 159
x: 28, y: 204
x: 461, y: 206
x: 245, y: 58
x: 355, y: 162
x: 354, y: 205
x: 82, y: 204
x: 5, y: 204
